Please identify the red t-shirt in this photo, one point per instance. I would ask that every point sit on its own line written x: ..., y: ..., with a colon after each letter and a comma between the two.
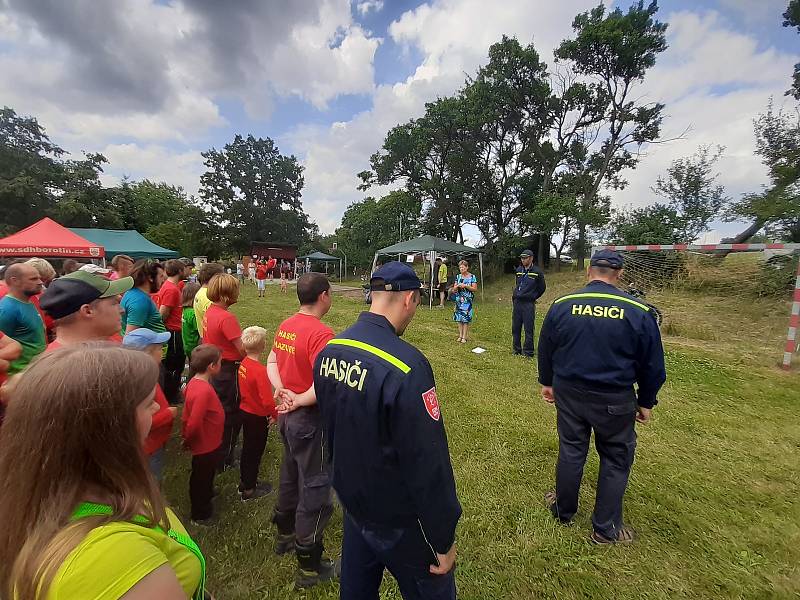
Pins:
x: 46, y: 319
x: 3, y: 289
x: 203, y: 417
x: 55, y: 344
x: 221, y: 328
x: 170, y: 295
x: 271, y: 264
x: 261, y: 272
x: 3, y: 375
x: 181, y: 284
x: 161, y: 428
x: 297, y: 342
x: 255, y: 389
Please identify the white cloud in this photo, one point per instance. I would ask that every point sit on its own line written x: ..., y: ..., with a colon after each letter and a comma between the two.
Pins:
x: 364, y: 7
x: 454, y: 38
x: 714, y: 81
x: 154, y: 162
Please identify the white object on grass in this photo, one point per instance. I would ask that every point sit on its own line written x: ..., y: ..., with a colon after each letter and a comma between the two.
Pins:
x: 478, y: 350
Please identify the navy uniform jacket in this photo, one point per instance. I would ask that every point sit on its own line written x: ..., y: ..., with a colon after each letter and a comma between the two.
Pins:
x: 385, y: 433
x: 529, y: 284
x: 603, y: 339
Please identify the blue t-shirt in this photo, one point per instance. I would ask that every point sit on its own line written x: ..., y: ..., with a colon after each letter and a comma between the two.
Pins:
x: 22, y: 322
x: 140, y: 310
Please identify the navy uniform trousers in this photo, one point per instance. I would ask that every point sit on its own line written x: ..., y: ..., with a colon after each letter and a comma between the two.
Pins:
x: 611, y: 415
x: 368, y: 549
x: 522, y: 317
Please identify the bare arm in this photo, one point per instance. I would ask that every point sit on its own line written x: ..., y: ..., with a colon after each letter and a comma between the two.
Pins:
x: 10, y: 349
x: 165, y: 311
x: 239, y: 347
x: 129, y: 328
x: 161, y: 583
x: 272, y: 371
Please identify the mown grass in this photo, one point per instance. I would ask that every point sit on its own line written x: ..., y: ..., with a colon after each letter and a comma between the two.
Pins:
x: 713, y: 494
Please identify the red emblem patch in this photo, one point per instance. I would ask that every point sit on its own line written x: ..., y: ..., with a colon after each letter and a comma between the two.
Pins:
x: 432, y: 403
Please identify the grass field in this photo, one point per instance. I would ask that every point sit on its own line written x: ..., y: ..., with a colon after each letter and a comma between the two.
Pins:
x: 713, y: 494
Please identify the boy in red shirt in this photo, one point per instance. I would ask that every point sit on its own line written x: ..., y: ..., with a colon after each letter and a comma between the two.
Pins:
x: 152, y: 343
x: 258, y: 411
x: 305, y: 499
x: 203, y: 421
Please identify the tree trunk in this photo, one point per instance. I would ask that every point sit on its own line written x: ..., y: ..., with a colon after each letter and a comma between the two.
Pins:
x: 540, y: 251
x: 749, y: 232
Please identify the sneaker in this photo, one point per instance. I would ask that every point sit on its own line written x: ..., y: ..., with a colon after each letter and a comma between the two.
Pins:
x: 305, y: 579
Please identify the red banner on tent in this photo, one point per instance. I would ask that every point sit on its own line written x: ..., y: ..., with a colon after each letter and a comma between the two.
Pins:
x: 46, y: 238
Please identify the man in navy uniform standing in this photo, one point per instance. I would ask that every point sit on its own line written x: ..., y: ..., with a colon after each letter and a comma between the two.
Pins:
x: 385, y: 435
x: 594, y: 346
x: 528, y: 287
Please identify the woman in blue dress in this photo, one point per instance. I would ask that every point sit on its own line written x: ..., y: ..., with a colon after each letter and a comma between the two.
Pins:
x: 464, y: 289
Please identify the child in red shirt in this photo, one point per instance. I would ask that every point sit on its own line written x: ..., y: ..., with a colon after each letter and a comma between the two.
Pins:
x: 258, y: 411
x: 203, y: 422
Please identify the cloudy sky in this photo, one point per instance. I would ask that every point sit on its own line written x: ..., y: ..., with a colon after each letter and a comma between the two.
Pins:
x: 151, y: 84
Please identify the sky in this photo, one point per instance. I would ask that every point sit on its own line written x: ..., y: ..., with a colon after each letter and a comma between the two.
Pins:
x: 152, y: 84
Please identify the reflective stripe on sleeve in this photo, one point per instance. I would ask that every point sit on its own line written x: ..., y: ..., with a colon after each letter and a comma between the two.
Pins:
x: 644, y: 307
x: 392, y: 360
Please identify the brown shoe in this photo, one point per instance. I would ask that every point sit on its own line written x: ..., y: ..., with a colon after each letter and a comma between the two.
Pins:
x: 625, y: 535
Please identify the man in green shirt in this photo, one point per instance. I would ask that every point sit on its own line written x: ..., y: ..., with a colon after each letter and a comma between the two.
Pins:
x: 19, y: 318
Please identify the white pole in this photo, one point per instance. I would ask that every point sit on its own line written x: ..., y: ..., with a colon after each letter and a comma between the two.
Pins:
x: 430, y: 300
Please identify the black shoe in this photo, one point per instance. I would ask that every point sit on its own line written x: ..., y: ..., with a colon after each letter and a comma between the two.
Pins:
x: 209, y: 522
x: 311, y: 567
x: 261, y: 490
x: 284, y: 543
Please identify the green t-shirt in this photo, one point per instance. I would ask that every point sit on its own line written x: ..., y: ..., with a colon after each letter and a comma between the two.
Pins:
x: 140, y: 310
x: 443, y: 273
x: 189, y: 333
x: 113, y: 558
x: 22, y: 322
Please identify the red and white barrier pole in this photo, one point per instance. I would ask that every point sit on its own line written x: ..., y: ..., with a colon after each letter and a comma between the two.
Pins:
x: 794, y: 324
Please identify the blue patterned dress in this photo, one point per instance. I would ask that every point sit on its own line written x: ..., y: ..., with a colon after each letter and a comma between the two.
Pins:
x: 463, y: 300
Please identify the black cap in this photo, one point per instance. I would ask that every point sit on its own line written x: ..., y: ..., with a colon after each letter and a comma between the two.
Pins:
x: 607, y: 258
x: 394, y: 277
x: 68, y: 293
x: 525, y: 253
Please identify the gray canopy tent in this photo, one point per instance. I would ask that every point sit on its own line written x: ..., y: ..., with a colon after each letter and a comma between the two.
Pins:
x: 322, y: 257
x: 430, y: 247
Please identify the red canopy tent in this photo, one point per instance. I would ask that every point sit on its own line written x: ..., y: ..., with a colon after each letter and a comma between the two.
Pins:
x: 46, y: 238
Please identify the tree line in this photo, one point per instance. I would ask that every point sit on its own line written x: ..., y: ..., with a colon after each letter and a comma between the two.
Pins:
x: 522, y: 149
x: 249, y: 192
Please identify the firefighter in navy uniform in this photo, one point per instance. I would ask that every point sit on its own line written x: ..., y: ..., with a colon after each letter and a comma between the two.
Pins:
x: 594, y: 346
x: 386, y: 438
x: 529, y: 285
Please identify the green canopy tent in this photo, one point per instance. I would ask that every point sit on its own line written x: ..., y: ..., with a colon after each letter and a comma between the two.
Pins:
x: 129, y: 242
x: 322, y: 257
x: 430, y: 247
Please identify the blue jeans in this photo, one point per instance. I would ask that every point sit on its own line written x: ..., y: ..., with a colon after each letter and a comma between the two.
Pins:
x: 157, y: 464
x: 366, y: 551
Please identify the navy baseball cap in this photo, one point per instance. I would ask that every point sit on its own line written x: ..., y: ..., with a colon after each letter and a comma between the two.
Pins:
x: 141, y: 338
x: 607, y: 258
x: 67, y: 294
x: 525, y: 253
x: 394, y: 277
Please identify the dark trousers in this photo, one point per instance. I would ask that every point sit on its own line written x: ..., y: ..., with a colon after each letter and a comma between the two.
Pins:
x: 611, y: 415
x: 201, y: 484
x: 305, y: 498
x: 366, y: 551
x: 174, y: 362
x: 523, y: 316
x: 254, y: 440
x: 226, y: 384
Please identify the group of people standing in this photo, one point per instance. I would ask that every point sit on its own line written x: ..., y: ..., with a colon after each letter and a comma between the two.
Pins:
x: 357, y: 412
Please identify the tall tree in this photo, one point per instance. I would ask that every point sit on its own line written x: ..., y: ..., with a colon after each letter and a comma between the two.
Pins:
x: 30, y: 171
x: 431, y: 156
x: 615, y: 51
x: 508, y: 104
x: 691, y: 191
x: 255, y: 192
x: 791, y: 18
x: 777, y: 206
